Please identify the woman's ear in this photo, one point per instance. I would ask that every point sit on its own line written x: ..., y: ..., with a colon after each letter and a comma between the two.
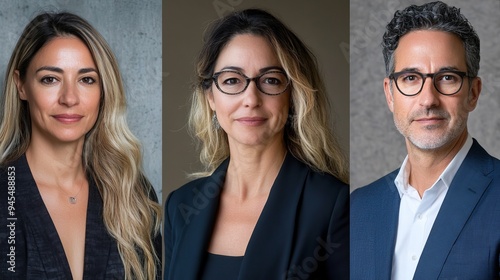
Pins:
x: 19, y: 85
x: 210, y: 97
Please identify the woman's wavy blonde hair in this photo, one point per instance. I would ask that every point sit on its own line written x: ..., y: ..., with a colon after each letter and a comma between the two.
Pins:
x: 309, y: 132
x: 111, y: 154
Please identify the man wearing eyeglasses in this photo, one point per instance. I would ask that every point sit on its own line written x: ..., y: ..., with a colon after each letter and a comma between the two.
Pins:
x: 438, y: 216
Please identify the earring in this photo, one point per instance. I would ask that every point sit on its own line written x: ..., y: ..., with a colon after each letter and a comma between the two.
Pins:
x: 215, y: 122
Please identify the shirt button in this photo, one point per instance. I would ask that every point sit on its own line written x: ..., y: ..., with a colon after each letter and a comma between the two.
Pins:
x: 414, y: 257
x: 419, y: 216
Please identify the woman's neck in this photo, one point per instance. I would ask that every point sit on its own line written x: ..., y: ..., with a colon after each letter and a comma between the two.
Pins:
x: 59, y: 165
x: 252, y: 171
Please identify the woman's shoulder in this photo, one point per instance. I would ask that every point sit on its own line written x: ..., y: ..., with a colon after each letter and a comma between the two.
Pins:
x: 324, y: 189
x: 326, y: 179
x: 208, y: 186
x: 322, y: 183
x: 197, y: 189
x: 14, y: 171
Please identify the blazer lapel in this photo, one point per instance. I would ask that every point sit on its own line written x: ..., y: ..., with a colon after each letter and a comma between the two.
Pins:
x: 464, y: 193
x: 99, y: 256
x: 47, y: 242
x: 385, y: 233
x: 271, y: 243
x: 193, y: 244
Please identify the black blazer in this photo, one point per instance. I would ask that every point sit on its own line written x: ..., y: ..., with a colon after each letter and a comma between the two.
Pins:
x: 39, y: 253
x: 302, y: 232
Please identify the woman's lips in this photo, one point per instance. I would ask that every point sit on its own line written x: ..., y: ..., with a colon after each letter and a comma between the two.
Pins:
x: 251, y: 121
x: 68, y: 118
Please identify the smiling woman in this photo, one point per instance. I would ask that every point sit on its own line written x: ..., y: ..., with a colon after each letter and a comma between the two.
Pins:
x: 274, y: 188
x: 250, y: 117
x: 80, y: 204
x: 62, y: 88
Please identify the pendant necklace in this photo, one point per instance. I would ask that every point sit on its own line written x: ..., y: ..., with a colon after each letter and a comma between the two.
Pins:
x: 72, y: 199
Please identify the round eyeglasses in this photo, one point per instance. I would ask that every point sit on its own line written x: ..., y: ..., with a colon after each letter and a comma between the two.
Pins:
x: 233, y: 82
x: 446, y: 82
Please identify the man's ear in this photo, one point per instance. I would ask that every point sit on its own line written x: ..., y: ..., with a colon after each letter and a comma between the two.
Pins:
x: 19, y: 85
x: 474, y: 92
x: 388, y: 94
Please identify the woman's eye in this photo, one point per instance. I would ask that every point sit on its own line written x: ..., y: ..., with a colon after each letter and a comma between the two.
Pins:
x: 48, y: 80
x: 88, y: 80
x: 231, y: 81
x: 272, y: 81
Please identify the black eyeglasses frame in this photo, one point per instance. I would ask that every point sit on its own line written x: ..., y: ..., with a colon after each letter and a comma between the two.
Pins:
x: 248, y: 80
x: 395, y: 76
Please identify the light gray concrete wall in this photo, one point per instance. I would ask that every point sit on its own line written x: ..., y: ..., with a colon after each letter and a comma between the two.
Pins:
x: 322, y: 25
x: 376, y: 146
x: 133, y: 30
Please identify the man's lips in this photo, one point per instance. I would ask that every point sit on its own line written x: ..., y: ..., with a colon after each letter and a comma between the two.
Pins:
x: 68, y: 118
x: 429, y: 120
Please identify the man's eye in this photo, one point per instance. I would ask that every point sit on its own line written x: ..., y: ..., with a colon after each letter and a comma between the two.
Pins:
x: 448, y: 78
x: 410, y: 78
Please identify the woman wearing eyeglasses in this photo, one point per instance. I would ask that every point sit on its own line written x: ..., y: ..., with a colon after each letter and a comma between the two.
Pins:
x: 273, y: 200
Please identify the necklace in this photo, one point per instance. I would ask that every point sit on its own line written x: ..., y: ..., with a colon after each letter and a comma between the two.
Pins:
x: 72, y: 199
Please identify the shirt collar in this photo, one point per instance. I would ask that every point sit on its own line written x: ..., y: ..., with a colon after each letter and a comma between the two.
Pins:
x: 447, y: 176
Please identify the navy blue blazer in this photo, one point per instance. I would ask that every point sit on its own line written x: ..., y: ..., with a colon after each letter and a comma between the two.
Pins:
x: 30, y: 247
x: 302, y: 232
x: 464, y: 242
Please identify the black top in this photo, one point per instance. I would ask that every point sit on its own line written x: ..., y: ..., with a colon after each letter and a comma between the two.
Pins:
x: 219, y: 267
x: 30, y: 247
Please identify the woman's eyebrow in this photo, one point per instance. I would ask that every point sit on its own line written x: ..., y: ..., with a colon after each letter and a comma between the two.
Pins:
x: 262, y: 70
x: 59, y: 70
x: 50, y: 68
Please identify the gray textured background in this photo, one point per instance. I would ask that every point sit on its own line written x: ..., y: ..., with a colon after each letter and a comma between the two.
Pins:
x: 322, y: 25
x: 376, y: 146
x: 133, y: 30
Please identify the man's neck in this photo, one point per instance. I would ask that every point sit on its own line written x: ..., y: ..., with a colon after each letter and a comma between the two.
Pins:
x: 425, y: 166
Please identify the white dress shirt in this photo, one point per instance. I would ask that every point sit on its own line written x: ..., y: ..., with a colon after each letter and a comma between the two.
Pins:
x: 417, y: 215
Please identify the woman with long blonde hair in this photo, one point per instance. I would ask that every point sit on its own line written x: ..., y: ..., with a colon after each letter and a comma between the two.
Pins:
x: 272, y: 202
x: 79, y: 204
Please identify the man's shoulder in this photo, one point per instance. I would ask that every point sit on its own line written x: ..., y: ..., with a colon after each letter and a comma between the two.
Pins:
x: 379, y: 187
x: 480, y: 160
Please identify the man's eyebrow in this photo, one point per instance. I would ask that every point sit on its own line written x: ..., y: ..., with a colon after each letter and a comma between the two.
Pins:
x: 445, y: 68
x: 415, y: 69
